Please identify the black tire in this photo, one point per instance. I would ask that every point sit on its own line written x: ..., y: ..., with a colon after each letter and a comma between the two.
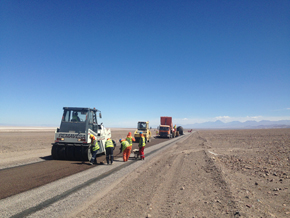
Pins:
x: 87, y: 155
x: 70, y: 153
x: 54, y: 152
x: 78, y: 153
x: 180, y: 130
x: 61, y: 153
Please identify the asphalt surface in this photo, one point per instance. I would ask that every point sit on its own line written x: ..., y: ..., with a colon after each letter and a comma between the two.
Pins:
x: 23, y: 178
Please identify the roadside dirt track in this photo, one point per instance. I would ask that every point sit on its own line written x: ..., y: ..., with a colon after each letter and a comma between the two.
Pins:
x: 227, y: 173
x: 210, y: 173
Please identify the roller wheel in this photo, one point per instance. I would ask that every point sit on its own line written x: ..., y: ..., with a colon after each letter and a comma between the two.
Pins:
x: 54, y: 152
x: 78, y: 153
x: 70, y: 150
x: 61, y: 153
x: 87, y: 154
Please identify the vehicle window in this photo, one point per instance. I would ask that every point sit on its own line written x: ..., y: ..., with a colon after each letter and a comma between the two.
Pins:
x: 141, y: 125
x: 74, y: 116
x: 91, y: 117
x: 94, y: 117
x: 65, y: 116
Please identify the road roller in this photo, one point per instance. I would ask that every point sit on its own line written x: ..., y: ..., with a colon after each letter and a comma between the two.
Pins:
x: 72, y: 139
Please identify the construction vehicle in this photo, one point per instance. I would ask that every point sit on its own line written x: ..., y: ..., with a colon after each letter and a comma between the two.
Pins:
x: 72, y: 139
x: 143, y: 127
x: 166, y: 128
x: 180, y: 130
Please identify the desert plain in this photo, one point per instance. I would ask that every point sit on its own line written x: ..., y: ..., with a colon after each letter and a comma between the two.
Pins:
x: 206, y: 173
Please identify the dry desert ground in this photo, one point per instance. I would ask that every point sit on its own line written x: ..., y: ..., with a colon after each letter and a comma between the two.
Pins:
x: 207, y: 173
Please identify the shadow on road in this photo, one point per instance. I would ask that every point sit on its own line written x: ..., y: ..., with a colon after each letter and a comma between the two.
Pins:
x: 46, y: 157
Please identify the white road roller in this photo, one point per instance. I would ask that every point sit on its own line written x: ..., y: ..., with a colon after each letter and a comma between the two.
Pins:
x: 72, y: 139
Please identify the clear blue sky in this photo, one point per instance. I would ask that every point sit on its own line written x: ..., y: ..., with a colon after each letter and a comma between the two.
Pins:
x: 138, y: 60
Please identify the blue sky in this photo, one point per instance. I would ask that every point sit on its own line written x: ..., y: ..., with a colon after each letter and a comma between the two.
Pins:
x: 196, y: 61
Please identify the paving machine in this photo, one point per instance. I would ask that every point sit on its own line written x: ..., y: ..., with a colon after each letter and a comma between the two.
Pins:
x: 72, y: 139
x: 143, y: 127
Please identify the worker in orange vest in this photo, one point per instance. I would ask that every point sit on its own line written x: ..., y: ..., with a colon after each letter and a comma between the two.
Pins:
x: 130, y: 139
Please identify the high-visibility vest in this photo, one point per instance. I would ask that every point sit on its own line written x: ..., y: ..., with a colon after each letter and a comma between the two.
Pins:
x: 109, y: 144
x: 129, y: 139
x: 95, y: 145
x: 124, y: 144
x: 75, y: 117
x: 142, y: 142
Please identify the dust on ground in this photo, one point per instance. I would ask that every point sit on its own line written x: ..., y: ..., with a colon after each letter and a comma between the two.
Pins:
x: 226, y: 173
x: 210, y: 173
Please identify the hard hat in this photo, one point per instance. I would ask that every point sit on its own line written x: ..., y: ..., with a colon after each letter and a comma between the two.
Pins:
x: 108, y: 138
x: 120, y: 140
x: 141, y: 132
x: 129, y: 133
x: 91, y: 136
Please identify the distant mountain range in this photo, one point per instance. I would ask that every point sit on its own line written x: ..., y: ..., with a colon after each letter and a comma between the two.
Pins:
x: 263, y: 124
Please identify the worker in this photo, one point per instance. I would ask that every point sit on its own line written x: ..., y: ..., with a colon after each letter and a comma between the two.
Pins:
x: 130, y: 139
x: 109, y: 145
x: 175, y: 127
x: 75, y: 117
x: 142, y: 143
x: 95, y: 147
x: 126, y: 149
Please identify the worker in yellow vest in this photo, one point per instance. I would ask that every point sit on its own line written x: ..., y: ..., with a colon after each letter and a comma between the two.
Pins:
x: 94, y: 148
x: 126, y: 149
x: 142, y: 143
x: 109, y: 145
x: 130, y: 139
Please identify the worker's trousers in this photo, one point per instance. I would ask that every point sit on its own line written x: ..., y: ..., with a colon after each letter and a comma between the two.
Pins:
x: 94, y: 154
x: 109, y: 153
x: 141, y: 153
x: 126, y: 153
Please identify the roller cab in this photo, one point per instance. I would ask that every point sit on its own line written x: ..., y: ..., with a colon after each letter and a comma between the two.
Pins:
x: 72, y: 139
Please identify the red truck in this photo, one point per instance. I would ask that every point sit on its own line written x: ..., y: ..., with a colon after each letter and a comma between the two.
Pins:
x: 166, y: 129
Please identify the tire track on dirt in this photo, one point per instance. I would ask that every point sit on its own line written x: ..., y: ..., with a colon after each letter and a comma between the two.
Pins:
x: 183, y: 181
x: 165, y: 196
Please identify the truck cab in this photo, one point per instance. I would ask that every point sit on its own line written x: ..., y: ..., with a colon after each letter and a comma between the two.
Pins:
x: 165, y: 131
